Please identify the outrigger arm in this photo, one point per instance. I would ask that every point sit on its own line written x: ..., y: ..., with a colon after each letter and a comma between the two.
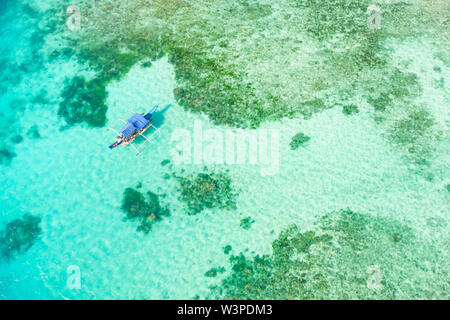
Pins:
x: 148, y: 139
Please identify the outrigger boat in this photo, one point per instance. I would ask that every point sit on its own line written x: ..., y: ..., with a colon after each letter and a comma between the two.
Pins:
x: 135, y: 126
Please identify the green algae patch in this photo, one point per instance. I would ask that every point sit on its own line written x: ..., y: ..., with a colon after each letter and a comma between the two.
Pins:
x: 348, y: 255
x: 145, y: 208
x: 84, y: 101
x: 207, y: 191
x: 298, y: 140
x: 19, y: 236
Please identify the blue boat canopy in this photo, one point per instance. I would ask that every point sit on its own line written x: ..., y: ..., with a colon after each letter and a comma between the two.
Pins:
x: 135, y: 123
x: 128, y: 130
x: 138, y: 121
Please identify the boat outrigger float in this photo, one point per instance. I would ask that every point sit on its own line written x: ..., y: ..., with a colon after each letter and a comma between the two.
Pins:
x: 135, y: 126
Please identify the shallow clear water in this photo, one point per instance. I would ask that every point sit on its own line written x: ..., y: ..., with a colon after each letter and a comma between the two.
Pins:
x: 69, y: 179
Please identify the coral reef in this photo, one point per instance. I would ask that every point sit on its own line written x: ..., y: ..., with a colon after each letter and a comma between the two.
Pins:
x: 298, y: 140
x: 336, y: 261
x: 206, y: 191
x: 19, y: 235
x: 145, y: 208
x: 226, y: 86
x: 248, y: 61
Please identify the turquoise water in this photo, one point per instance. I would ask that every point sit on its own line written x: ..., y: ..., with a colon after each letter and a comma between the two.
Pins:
x: 389, y: 168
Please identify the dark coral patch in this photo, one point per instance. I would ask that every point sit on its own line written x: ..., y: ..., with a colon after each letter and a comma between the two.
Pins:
x: 17, y: 139
x: 230, y: 102
x: 380, y: 103
x: 206, y: 191
x: 41, y: 98
x: 84, y: 101
x: 6, y: 156
x: 349, y: 109
x: 246, y: 223
x: 213, y: 272
x: 227, y: 249
x: 33, y: 132
x: 145, y: 208
x: 298, y: 140
x: 19, y: 236
x: 410, y: 129
x: 395, y: 87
